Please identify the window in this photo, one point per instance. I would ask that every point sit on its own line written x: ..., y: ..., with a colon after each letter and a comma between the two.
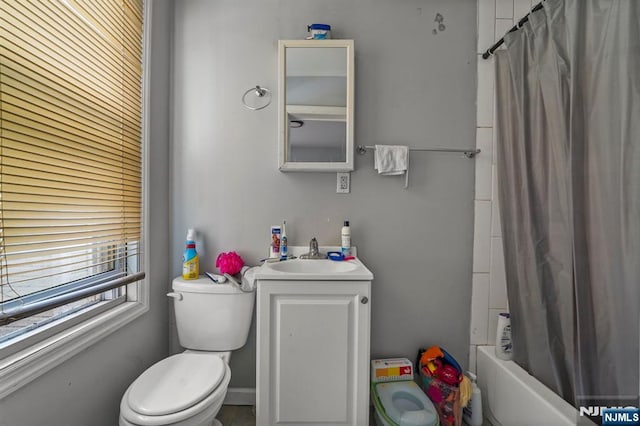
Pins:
x: 70, y: 162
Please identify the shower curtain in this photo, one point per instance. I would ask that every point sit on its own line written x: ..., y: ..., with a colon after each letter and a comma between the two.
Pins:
x: 568, y: 131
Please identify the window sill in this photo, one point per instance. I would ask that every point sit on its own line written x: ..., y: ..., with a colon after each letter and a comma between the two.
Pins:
x: 22, y: 367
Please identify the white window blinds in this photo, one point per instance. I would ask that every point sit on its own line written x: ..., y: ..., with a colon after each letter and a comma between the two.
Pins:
x: 70, y: 145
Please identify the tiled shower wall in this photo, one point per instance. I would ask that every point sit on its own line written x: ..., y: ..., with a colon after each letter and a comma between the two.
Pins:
x: 489, y: 295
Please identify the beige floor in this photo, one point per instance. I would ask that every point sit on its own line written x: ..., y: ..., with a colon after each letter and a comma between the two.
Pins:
x: 237, y: 415
x: 243, y: 415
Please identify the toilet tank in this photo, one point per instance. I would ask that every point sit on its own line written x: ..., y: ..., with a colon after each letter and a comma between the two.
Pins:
x: 211, y: 316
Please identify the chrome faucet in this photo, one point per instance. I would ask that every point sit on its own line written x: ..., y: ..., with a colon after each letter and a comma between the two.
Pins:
x: 314, y: 253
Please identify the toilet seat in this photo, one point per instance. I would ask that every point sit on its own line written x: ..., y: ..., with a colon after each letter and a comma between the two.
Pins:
x: 178, y: 388
x: 404, y: 403
x: 176, y: 383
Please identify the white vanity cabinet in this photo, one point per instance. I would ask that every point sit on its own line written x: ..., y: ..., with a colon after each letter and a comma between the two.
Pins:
x: 313, y: 352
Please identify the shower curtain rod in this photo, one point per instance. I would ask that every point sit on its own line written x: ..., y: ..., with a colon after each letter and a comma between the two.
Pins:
x: 520, y: 23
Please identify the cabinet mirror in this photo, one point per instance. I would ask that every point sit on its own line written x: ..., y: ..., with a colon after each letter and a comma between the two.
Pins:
x: 315, y: 93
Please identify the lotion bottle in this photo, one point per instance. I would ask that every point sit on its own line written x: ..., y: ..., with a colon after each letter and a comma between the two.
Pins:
x: 504, y: 347
x: 190, y: 260
x: 346, y: 239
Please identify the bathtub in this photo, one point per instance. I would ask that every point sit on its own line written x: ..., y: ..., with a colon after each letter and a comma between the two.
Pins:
x: 511, y: 396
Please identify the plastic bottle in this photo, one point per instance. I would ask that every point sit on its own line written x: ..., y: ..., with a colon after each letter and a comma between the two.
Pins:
x: 472, y: 413
x: 284, y: 248
x: 504, y: 347
x: 190, y: 261
x: 346, y: 239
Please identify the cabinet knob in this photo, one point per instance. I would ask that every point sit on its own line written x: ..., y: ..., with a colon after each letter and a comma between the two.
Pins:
x: 364, y: 300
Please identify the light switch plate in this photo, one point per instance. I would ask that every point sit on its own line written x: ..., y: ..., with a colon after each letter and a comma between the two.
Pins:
x: 343, y: 183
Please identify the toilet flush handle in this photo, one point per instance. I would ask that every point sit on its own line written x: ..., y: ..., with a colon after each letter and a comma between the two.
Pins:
x: 177, y: 296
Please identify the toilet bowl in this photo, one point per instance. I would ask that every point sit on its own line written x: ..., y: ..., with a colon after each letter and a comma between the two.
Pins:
x: 185, y: 389
x: 188, y: 389
x: 402, y: 404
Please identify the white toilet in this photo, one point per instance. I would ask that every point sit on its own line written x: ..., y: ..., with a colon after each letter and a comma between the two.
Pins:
x: 189, y: 388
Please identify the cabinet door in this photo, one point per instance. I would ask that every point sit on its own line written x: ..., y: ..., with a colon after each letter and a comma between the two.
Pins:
x: 313, y: 353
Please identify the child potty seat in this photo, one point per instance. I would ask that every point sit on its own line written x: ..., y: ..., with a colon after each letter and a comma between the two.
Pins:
x: 395, y: 401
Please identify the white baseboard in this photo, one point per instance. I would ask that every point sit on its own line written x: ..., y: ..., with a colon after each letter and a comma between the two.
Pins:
x: 240, y: 396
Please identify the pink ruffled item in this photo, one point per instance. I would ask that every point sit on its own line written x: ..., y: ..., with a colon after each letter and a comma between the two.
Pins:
x: 229, y: 263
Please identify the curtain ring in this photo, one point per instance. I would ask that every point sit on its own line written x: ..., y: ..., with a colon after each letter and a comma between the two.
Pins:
x: 261, y: 93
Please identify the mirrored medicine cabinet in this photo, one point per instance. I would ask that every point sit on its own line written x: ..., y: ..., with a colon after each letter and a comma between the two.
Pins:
x: 315, y: 96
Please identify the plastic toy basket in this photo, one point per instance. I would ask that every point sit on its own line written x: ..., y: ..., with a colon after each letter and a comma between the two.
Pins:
x: 445, y: 396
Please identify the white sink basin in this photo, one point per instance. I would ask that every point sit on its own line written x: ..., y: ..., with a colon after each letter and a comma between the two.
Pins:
x: 314, y: 269
x: 317, y: 266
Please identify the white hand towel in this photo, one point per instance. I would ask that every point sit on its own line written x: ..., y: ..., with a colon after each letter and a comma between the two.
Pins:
x: 392, y: 160
x: 249, y: 278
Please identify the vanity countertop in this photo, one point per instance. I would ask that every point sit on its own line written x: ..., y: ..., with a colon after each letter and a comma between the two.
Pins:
x: 315, y: 269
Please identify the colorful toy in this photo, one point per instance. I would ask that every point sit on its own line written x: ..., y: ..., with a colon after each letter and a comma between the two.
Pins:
x: 441, y: 375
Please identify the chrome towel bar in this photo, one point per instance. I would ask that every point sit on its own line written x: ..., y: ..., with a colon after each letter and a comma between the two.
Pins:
x: 469, y: 153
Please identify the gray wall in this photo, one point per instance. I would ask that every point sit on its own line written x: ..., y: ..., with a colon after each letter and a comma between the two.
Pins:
x: 86, y: 389
x: 412, y: 87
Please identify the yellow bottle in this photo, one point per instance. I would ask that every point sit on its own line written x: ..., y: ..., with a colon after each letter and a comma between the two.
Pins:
x: 190, y: 260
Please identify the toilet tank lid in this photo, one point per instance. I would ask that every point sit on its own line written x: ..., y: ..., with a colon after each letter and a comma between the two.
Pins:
x: 203, y: 285
x: 176, y: 383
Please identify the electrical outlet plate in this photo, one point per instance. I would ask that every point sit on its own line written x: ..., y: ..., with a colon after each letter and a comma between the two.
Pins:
x: 343, y: 183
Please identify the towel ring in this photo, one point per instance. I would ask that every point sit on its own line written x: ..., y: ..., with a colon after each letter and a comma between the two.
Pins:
x: 262, y: 93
